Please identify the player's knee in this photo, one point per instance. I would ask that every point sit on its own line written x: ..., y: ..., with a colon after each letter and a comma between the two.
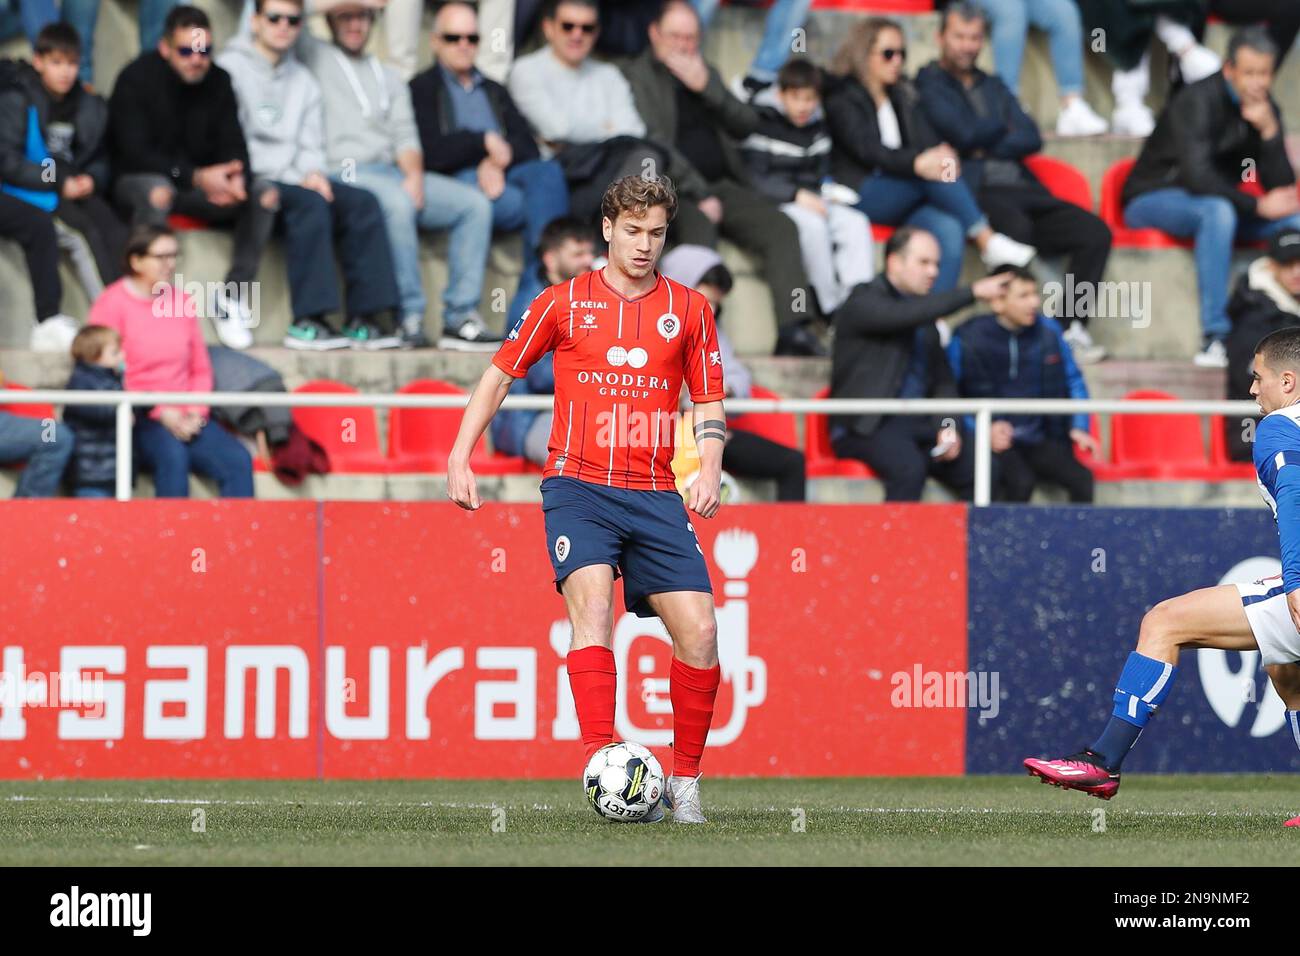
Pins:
x: 1286, y: 681
x: 1159, y: 631
x: 698, y: 647
x: 592, y: 615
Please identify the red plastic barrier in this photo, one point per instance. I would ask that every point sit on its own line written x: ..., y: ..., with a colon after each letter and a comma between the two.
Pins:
x: 350, y: 640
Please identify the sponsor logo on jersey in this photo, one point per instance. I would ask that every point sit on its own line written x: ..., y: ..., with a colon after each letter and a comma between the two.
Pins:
x: 618, y: 356
x: 589, y: 305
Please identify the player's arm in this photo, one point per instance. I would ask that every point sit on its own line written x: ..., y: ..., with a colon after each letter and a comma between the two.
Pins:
x: 1277, y: 459
x: 710, y: 437
x: 488, y: 395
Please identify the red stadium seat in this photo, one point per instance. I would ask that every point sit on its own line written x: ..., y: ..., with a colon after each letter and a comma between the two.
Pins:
x: 1160, y: 447
x: 881, y: 232
x: 876, y: 6
x: 349, y: 434
x: 778, y: 427
x: 420, y: 439
x: 1062, y: 180
x: 1112, y: 213
x: 26, y: 411
x: 183, y: 223
x: 1228, y: 468
x: 819, y: 458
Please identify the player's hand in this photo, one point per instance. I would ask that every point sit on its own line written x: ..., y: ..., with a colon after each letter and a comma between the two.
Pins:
x: 1293, y: 605
x: 704, y: 497
x: 461, y: 487
x: 1001, y: 435
x: 1087, y: 444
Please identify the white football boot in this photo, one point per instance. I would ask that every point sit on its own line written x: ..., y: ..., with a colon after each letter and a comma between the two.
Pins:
x: 686, y: 800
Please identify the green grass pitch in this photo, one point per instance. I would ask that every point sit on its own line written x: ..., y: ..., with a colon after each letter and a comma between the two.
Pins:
x: 980, y: 821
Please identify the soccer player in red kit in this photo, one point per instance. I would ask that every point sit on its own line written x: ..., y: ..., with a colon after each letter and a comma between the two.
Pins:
x: 626, y: 339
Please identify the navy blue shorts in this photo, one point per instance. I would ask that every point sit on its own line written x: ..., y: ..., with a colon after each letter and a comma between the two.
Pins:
x: 645, y: 536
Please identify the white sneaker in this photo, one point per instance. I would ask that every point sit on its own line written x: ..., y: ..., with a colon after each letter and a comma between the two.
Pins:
x: 54, y: 334
x: 1079, y: 119
x: 232, y: 319
x: 1084, y: 349
x: 686, y: 800
x: 472, y: 336
x: 1214, y: 355
x: 1002, y: 250
x: 1132, y: 119
x: 1197, y: 62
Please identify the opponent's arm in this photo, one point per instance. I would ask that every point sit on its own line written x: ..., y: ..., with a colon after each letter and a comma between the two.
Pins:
x: 488, y: 395
x: 710, y: 435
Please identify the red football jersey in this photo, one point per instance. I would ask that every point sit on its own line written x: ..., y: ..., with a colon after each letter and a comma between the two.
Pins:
x: 619, y: 368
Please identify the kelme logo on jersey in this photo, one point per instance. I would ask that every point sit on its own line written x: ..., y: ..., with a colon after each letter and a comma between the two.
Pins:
x: 669, y: 326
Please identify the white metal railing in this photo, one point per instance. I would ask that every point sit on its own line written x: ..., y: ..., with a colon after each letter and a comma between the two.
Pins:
x: 983, y: 410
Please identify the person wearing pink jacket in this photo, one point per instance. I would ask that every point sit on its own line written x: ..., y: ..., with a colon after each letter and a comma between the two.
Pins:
x: 165, y: 352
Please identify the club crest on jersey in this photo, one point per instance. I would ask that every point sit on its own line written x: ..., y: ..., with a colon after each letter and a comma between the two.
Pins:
x: 669, y: 326
x: 561, y: 548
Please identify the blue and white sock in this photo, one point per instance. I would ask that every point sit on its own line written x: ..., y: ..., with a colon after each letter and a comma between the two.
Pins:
x: 1143, y: 686
x: 1293, y: 721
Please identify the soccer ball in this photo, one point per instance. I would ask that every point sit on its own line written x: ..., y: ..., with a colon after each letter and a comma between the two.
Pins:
x: 623, y: 781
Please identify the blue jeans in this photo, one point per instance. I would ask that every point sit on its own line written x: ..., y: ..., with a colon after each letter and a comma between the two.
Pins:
x: 27, y: 17
x: 783, y: 19
x: 947, y: 210
x: 448, y: 204
x: 46, y: 454
x: 1010, y: 20
x: 535, y: 194
x: 1214, y: 224
x: 91, y: 491
x: 213, y: 452
x: 84, y: 14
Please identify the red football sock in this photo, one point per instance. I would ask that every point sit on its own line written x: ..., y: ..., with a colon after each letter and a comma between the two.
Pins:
x: 692, y: 691
x: 594, y: 681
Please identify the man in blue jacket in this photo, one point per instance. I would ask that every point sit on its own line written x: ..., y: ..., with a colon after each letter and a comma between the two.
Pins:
x: 1016, y: 352
x: 982, y: 120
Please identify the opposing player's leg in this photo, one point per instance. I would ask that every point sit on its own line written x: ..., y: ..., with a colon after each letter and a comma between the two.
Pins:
x: 692, y: 687
x: 1210, y: 617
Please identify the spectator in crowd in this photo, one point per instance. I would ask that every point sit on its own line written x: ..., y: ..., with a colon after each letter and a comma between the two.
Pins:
x: 472, y: 131
x: 885, y: 149
x: 888, y: 345
x: 33, y: 230
x: 98, y: 363
x: 981, y: 118
x: 566, y: 250
x: 746, y: 454
x: 372, y: 142
x: 1212, y: 136
x: 66, y: 174
x: 281, y: 113
x: 789, y: 158
x: 1128, y: 27
x: 580, y: 108
x: 177, y: 147
x: 28, y: 17
x: 43, y: 446
x: 497, y: 18
x: 687, y: 108
x: 83, y: 15
x: 782, y: 27
x: 1280, y: 17
x: 1266, y: 299
x: 1009, y: 23
x: 165, y: 352
x: 1017, y: 352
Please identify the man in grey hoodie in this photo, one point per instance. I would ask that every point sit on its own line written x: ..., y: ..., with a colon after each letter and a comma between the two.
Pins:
x: 281, y: 114
x: 372, y: 141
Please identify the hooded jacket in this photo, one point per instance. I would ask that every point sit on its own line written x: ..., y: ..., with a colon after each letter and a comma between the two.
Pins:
x: 280, y: 110
x: 21, y: 91
x: 783, y: 158
x: 94, y: 453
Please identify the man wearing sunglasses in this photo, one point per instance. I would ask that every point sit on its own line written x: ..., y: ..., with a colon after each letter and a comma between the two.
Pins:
x: 177, y: 147
x: 281, y: 112
x: 471, y: 130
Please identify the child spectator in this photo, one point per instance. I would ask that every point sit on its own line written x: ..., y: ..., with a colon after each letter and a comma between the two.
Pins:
x: 99, y: 362
x: 789, y: 158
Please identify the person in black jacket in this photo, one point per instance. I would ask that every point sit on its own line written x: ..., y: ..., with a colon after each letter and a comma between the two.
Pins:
x: 177, y: 147
x: 98, y: 357
x: 887, y: 345
x: 1266, y: 299
x: 471, y: 129
x: 72, y: 124
x: 886, y: 150
x: 1213, y: 136
x: 992, y: 132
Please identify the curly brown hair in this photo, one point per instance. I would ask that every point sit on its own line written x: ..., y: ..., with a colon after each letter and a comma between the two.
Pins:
x: 636, y: 194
